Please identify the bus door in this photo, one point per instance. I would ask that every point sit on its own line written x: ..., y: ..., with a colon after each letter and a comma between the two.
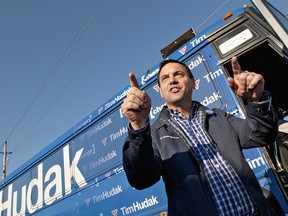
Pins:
x: 260, y: 40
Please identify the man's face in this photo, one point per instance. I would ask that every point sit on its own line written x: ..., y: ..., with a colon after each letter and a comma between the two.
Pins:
x: 175, y: 85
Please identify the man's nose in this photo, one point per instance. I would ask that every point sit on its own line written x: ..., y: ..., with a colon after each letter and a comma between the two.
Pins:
x: 172, y: 80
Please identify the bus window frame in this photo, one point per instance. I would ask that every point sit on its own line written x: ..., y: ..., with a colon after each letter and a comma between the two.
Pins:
x: 264, y: 8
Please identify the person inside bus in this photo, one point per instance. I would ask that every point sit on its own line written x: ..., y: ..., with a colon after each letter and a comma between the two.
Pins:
x: 196, y: 150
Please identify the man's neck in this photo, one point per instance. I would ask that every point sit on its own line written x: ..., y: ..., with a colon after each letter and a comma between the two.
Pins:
x: 185, y: 110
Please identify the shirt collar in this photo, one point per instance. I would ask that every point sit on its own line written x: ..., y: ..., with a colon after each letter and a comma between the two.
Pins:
x: 176, y: 113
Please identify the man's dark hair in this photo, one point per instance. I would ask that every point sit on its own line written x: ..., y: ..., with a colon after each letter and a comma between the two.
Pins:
x: 166, y: 61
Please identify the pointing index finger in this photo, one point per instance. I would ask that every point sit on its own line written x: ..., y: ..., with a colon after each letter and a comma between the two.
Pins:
x: 236, y: 68
x: 133, y: 81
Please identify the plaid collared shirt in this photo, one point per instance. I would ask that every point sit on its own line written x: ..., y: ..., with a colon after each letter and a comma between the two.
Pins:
x: 228, y: 192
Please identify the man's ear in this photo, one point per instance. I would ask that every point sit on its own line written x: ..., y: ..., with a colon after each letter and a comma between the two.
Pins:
x: 160, y: 92
x: 193, y: 83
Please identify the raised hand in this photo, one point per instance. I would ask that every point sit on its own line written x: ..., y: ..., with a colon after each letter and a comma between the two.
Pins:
x: 248, y: 85
x: 136, y: 105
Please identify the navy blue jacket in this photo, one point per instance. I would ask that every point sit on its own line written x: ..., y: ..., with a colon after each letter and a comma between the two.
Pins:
x: 162, y: 150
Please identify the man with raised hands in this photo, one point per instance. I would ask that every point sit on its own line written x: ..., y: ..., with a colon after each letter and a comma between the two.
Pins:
x: 196, y: 150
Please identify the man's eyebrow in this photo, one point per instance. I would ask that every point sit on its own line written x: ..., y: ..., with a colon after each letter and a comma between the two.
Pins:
x: 174, y: 72
x: 163, y: 75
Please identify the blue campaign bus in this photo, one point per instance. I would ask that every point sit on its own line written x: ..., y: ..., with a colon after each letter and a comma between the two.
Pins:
x: 81, y: 172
